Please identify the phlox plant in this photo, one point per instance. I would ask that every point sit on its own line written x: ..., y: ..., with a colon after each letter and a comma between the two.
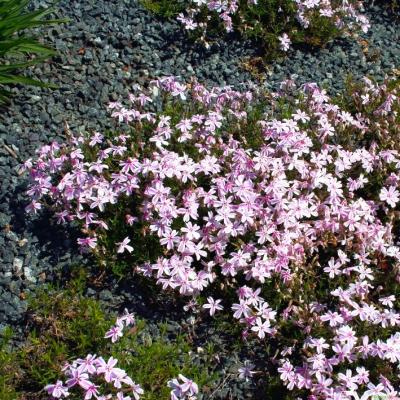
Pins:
x: 279, y: 208
x: 99, y: 379
x: 379, y: 105
x: 275, y: 23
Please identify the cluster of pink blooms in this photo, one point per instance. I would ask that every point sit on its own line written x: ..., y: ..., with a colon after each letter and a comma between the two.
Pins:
x: 84, y: 373
x: 117, y: 331
x: 185, y: 390
x: 345, y: 15
x: 264, y: 220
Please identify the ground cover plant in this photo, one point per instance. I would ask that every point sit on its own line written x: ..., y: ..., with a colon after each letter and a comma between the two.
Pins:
x: 280, y: 209
x: 276, y: 24
x: 67, y: 329
x: 17, y: 49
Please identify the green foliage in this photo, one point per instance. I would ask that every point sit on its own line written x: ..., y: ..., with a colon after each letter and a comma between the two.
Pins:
x: 18, y: 51
x: 383, y: 129
x: 263, y: 22
x: 164, y: 8
x: 65, y: 325
x: 152, y: 362
x: 391, y: 5
x: 7, y: 367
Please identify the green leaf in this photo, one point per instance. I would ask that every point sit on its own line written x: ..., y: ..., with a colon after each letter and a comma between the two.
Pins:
x: 13, y: 67
x: 15, y: 46
x: 19, y: 79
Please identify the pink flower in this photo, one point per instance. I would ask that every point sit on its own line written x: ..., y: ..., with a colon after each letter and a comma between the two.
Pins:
x: 78, y: 376
x: 213, y: 305
x: 109, y: 370
x: 33, y: 207
x: 241, y: 309
x: 391, y: 196
x: 90, y: 390
x: 284, y: 42
x: 246, y: 371
x: 226, y: 214
x: 114, y: 333
x: 88, y: 363
x: 57, y: 390
x: 88, y: 242
x: 169, y: 239
x: 189, y: 386
x: 137, y: 391
x: 124, y: 246
x: 127, y: 319
x: 262, y: 327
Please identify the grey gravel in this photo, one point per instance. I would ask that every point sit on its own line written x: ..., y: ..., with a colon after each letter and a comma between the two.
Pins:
x: 107, y: 46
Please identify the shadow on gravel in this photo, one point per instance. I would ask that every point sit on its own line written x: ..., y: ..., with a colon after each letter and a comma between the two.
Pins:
x: 52, y: 254
x: 54, y: 241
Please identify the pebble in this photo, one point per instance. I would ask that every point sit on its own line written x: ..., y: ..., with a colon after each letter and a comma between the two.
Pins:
x: 28, y: 275
x: 17, y: 266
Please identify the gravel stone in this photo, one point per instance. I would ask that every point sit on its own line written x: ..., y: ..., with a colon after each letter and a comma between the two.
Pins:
x: 17, y: 266
x: 28, y: 275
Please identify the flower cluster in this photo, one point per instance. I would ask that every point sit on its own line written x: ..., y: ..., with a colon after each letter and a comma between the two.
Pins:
x: 117, y: 331
x: 82, y: 372
x: 85, y: 373
x: 255, y: 16
x: 380, y: 106
x: 263, y: 196
x: 185, y: 390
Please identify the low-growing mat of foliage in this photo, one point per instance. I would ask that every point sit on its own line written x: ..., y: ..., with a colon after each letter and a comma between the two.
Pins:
x: 276, y: 210
x: 64, y: 325
x: 274, y: 24
x: 272, y: 217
